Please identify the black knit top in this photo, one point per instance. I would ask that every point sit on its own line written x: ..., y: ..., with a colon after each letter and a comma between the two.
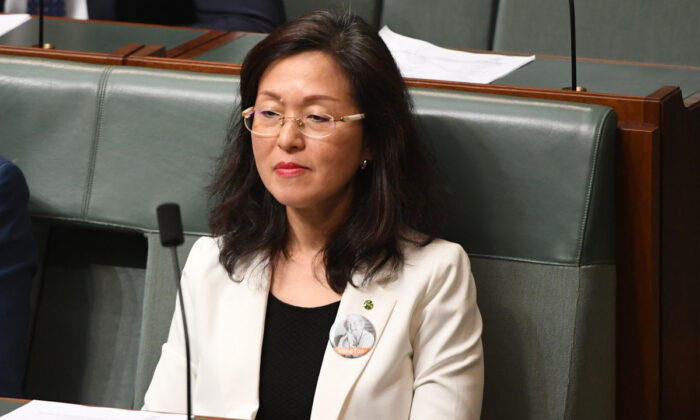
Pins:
x: 293, y: 346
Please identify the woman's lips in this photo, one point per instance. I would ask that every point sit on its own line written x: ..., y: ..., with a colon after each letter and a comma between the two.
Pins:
x: 289, y: 169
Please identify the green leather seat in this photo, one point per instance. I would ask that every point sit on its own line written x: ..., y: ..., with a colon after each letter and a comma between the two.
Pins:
x: 630, y: 30
x: 531, y: 201
x: 369, y: 10
x: 446, y: 23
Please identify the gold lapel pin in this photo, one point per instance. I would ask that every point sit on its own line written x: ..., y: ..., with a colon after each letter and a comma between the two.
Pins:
x: 368, y: 304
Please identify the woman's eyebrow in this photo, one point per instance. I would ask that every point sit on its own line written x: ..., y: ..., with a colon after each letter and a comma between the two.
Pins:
x: 310, y: 98
x: 271, y: 94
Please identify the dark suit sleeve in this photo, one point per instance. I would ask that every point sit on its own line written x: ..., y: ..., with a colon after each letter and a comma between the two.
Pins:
x: 239, y: 15
x: 18, y: 258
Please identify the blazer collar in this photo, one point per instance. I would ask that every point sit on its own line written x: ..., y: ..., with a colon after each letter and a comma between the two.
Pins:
x: 339, y: 374
x: 244, y: 309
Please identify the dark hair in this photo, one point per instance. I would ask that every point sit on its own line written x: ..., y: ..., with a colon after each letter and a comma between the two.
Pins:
x: 395, y: 196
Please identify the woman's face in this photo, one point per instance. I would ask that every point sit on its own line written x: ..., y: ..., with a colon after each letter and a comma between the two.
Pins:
x: 299, y: 171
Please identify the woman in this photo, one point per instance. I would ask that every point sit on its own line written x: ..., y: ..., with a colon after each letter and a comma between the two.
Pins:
x: 325, y: 212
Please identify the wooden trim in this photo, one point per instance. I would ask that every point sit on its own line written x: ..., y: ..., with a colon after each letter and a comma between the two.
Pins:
x: 216, y: 43
x: 692, y: 101
x: 17, y: 400
x: 127, y: 49
x: 81, y: 56
x: 207, y: 37
x: 637, y: 224
x: 183, y: 64
x: 150, y: 51
x: 680, y: 247
x: 628, y: 108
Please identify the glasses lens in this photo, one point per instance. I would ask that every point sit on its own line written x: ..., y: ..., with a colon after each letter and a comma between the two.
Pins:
x: 264, y: 123
x: 269, y: 123
x: 317, y: 125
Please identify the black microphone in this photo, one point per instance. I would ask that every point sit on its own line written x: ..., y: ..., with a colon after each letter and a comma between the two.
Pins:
x: 170, y: 226
x: 41, y: 24
x: 572, y: 26
x: 41, y: 43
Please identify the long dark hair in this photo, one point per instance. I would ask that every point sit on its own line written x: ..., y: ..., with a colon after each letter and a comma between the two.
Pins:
x: 395, y: 196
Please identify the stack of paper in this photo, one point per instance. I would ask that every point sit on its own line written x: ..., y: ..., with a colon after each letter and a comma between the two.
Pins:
x: 46, y: 410
x: 9, y: 22
x: 423, y: 60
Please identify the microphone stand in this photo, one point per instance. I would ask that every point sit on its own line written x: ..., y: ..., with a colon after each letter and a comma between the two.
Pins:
x: 176, y: 266
x: 171, y: 235
x: 41, y: 43
x: 572, y: 25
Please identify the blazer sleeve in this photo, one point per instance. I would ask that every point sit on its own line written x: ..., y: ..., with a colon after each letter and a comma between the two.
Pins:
x: 448, y: 356
x: 168, y: 389
x: 18, y: 260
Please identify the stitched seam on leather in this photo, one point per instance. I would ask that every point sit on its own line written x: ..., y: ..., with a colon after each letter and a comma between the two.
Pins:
x: 591, y: 182
x: 523, y: 260
x: 87, y: 222
x: 101, y: 93
x: 569, y: 394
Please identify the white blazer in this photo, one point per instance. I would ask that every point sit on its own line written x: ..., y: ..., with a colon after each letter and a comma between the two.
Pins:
x: 426, y: 361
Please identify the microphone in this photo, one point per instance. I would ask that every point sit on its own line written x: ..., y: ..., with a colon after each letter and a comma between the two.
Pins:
x: 171, y: 236
x: 572, y: 26
x: 41, y: 43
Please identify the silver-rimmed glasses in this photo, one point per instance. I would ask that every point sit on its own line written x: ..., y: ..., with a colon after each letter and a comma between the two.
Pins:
x: 266, y: 122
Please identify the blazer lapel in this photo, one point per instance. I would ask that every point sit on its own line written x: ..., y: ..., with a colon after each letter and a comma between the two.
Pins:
x: 339, y: 374
x: 245, y: 304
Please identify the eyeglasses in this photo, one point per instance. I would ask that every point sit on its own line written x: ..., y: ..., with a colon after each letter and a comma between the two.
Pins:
x: 266, y: 122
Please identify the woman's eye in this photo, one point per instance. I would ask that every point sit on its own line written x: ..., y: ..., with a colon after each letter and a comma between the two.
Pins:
x: 317, y: 119
x: 268, y: 114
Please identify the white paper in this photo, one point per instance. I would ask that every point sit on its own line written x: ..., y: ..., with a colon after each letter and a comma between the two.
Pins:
x: 9, y: 22
x: 423, y: 60
x: 47, y: 410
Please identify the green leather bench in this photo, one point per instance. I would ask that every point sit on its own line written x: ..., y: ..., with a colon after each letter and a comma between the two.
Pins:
x: 545, y: 72
x: 531, y: 200
x: 629, y: 30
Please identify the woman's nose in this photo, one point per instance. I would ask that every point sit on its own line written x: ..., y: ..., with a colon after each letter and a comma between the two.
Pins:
x: 290, y: 138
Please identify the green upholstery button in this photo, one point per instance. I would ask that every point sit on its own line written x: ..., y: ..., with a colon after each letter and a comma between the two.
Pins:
x: 368, y: 304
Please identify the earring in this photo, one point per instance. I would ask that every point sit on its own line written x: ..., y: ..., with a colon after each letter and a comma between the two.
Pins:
x: 364, y: 164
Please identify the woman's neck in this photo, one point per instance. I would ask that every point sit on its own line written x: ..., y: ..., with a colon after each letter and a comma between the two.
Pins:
x: 310, y: 228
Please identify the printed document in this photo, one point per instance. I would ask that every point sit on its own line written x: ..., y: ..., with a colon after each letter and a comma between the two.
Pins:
x: 423, y: 60
x: 47, y: 410
x: 9, y: 22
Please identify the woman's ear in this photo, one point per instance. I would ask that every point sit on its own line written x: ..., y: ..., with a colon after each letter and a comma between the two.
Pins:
x: 368, y: 153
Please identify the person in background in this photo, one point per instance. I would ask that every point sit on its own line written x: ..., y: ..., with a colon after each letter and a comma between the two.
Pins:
x: 18, y: 258
x: 326, y: 212
x: 229, y: 15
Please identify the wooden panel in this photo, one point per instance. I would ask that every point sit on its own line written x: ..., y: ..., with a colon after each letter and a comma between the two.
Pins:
x: 115, y: 58
x: 637, y: 199
x: 628, y: 108
x: 208, y: 46
x: 207, y: 37
x: 152, y: 50
x: 680, y: 250
x: 183, y: 64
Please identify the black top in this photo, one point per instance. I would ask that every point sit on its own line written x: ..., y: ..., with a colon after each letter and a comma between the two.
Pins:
x: 293, y: 346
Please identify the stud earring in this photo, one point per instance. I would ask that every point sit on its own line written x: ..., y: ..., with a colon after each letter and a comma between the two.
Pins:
x: 364, y: 164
